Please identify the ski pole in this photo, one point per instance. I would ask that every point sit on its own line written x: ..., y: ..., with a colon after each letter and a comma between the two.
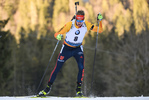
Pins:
x: 47, y: 66
x: 94, y: 58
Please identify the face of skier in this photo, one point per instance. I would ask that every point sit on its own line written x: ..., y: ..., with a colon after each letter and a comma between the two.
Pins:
x: 79, y: 20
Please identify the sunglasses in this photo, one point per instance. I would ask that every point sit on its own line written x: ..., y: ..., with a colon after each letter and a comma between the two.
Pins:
x: 80, y: 21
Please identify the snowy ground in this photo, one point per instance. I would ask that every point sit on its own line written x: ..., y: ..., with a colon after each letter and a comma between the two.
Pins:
x: 68, y: 98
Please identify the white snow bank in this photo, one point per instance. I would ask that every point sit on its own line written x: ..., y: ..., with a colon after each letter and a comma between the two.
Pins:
x: 68, y: 98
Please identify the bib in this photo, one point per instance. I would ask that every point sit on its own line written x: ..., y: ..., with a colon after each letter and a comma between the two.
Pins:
x: 75, y: 36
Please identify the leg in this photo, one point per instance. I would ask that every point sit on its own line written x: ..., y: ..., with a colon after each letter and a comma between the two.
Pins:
x: 63, y: 56
x: 79, y: 56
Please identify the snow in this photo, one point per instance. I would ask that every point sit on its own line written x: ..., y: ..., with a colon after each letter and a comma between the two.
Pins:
x: 68, y: 98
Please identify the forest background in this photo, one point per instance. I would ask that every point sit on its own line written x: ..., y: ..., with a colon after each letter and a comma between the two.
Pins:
x: 27, y: 41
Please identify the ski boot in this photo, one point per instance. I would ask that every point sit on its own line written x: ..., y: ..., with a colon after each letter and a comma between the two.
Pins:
x: 44, y: 92
x: 78, y: 90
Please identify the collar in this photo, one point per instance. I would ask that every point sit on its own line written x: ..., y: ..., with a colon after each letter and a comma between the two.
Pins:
x: 76, y: 25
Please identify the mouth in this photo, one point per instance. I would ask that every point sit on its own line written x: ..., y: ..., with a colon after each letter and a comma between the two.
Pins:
x: 79, y: 24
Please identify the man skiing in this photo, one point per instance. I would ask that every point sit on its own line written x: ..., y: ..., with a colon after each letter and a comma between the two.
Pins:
x: 72, y: 47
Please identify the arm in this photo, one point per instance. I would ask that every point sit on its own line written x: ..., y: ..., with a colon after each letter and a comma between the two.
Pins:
x: 94, y: 28
x: 64, y: 29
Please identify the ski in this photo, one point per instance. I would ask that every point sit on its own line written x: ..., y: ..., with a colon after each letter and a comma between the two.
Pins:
x: 62, y: 97
x: 40, y: 97
x: 80, y: 97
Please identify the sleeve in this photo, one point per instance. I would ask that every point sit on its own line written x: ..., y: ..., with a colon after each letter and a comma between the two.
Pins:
x: 94, y: 28
x: 64, y: 29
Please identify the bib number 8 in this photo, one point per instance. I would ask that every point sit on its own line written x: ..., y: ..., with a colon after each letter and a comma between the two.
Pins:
x: 75, y: 38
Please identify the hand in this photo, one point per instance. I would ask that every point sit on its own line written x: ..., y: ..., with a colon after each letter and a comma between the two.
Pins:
x: 59, y: 37
x: 99, y: 17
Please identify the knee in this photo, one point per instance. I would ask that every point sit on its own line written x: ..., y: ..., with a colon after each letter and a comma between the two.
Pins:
x: 81, y: 68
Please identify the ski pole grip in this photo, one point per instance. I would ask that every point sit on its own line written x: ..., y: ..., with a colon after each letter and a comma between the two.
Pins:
x: 77, y: 3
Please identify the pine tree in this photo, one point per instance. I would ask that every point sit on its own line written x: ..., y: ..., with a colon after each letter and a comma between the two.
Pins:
x: 5, y: 55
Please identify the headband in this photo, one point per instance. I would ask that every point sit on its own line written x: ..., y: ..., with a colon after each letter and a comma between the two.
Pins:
x: 80, y: 17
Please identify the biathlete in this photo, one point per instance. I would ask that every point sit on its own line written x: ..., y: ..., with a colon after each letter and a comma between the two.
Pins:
x: 72, y: 47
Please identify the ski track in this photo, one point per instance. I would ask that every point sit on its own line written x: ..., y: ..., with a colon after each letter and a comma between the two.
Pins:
x: 72, y: 98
